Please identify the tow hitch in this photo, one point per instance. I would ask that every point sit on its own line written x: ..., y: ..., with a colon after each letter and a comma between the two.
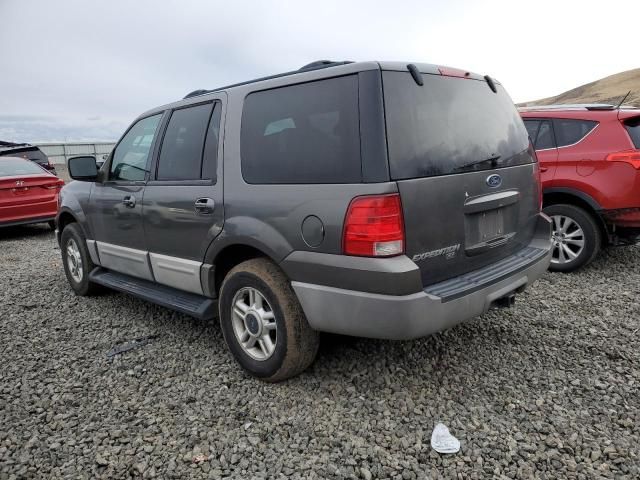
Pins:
x: 505, y: 302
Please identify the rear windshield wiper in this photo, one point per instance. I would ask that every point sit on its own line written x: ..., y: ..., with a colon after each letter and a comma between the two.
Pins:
x: 493, y: 159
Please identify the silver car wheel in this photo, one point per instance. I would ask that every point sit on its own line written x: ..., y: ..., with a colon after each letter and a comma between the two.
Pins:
x: 74, y: 260
x: 568, y: 240
x: 254, y: 323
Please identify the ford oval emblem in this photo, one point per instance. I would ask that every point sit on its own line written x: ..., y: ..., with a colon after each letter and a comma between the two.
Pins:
x: 494, y: 181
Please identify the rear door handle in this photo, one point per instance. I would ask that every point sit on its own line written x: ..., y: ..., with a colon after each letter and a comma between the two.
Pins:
x: 544, y: 169
x: 205, y: 206
x: 129, y: 201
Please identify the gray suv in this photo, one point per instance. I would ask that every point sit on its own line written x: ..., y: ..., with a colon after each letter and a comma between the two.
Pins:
x: 375, y: 199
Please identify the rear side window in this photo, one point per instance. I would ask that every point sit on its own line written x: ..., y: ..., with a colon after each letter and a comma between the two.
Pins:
x: 532, y: 129
x: 545, y: 138
x: 306, y: 133
x: 633, y: 127
x: 541, y: 133
x: 569, y: 132
x: 183, y: 147
x: 450, y: 125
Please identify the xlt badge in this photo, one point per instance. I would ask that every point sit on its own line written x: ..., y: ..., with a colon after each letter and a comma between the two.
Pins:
x: 448, y: 252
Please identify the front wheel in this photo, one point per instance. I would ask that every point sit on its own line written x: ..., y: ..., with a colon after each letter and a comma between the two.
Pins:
x: 576, y: 238
x: 263, y: 322
x: 76, y: 260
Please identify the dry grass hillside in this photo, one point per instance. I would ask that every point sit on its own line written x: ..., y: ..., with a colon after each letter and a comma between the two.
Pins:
x: 606, y: 90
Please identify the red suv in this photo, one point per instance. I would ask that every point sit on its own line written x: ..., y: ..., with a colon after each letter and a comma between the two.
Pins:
x: 590, y: 167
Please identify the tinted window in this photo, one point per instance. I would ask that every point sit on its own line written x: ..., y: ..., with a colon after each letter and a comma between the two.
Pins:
x: 210, y: 161
x: 532, y: 129
x: 544, y: 139
x: 130, y: 156
x: 541, y: 133
x: 449, y: 124
x: 569, y: 131
x: 633, y: 127
x: 306, y: 133
x: 182, y: 147
x: 16, y: 166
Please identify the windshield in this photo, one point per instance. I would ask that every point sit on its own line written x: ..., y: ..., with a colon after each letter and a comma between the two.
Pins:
x: 11, y: 167
x: 450, y: 125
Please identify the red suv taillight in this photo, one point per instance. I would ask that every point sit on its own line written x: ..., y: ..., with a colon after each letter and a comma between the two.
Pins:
x: 536, y: 173
x: 538, y: 180
x: 631, y: 157
x: 374, y: 227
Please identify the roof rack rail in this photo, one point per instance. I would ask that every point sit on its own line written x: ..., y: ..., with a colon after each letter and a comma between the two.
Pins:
x: 571, y: 106
x: 317, y: 65
x: 195, y: 93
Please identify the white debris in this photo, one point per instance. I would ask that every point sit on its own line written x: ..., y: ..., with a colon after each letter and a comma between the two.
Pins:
x: 442, y: 441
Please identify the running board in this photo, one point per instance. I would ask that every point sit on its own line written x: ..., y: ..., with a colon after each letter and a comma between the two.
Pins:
x: 189, y: 303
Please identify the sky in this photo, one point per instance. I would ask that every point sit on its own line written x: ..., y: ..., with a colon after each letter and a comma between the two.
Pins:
x: 83, y: 70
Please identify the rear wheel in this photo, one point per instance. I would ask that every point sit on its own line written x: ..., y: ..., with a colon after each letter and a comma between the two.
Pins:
x: 576, y: 237
x: 263, y: 323
x: 76, y: 260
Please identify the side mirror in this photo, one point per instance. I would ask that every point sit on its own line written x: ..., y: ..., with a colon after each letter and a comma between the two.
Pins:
x: 84, y: 169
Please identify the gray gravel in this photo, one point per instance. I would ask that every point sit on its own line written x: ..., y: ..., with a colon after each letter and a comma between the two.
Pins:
x: 547, y: 389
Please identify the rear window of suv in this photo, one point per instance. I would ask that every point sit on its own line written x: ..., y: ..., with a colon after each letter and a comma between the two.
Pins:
x: 305, y: 133
x: 449, y: 124
x: 633, y: 127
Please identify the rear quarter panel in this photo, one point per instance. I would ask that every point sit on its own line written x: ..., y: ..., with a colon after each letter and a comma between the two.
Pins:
x: 583, y: 167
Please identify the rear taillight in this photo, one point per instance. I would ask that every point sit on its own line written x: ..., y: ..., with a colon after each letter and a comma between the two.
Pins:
x: 536, y: 173
x: 632, y: 157
x: 374, y: 227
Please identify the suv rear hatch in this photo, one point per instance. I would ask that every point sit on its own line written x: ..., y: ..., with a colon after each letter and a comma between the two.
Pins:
x: 465, y: 170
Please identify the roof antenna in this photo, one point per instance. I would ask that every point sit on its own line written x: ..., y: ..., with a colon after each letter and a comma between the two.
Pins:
x: 622, y: 101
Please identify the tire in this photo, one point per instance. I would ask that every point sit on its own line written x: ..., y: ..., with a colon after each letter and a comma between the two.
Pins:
x: 73, y: 238
x: 294, y: 344
x: 573, y: 219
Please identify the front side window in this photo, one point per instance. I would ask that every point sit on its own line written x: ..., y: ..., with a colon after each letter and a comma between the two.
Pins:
x: 570, y: 132
x: 181, y: 154
x: 131, y: 155
x: 305, y: 133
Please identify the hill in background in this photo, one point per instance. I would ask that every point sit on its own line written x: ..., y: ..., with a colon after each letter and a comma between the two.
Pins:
x: 606, y: 90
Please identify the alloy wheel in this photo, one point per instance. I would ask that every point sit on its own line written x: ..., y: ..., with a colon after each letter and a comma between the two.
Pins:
x: 254, y: 323
x: 568, y: 240
x: 74, y: 260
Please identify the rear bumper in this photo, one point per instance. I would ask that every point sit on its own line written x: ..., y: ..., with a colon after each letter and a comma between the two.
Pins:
x: 622, y: 217
x: 23, y: 214
x: 402, y: 317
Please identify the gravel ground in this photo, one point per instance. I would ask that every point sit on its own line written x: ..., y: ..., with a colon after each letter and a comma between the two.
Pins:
x: 546, y: 389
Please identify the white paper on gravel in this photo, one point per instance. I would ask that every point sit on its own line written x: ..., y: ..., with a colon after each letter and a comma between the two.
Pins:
x: 442, y: 441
